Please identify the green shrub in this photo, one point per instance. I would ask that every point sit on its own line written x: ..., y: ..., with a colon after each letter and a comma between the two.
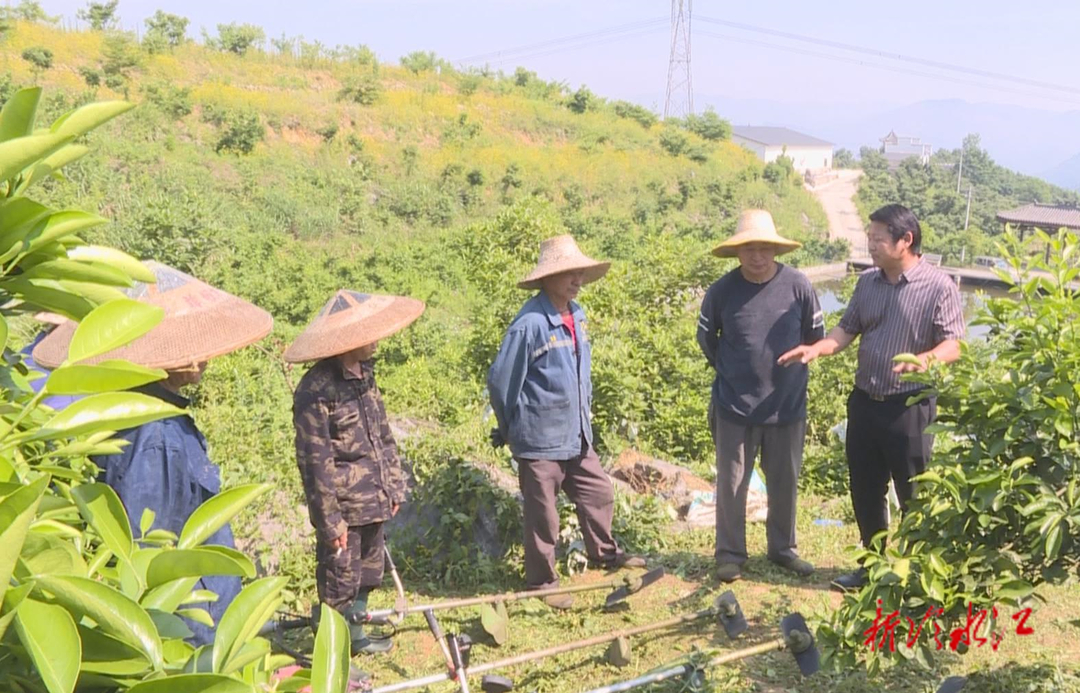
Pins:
x: 640, y: 114
x: 41, y: 58
x: 170, y: 99
x: 673, y: 142
x: 363, y: 90
x: 241, y: 131
x: 582, y: 100
x: 709, y: 126
x: 236, y: 38
x: 419, y: 61
x: 100, y: 15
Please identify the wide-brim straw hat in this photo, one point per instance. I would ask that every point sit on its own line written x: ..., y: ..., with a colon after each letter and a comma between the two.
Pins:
x: 755, y: 226
x: 351, y: 320
x: 561, y: 254
x: 200, y: 322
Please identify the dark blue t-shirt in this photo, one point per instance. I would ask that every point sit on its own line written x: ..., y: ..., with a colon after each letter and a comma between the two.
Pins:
x: 744, y: 327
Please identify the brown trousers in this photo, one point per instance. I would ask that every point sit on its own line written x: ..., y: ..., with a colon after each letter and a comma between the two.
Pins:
x: 339, y: 578
x: 588, y: 487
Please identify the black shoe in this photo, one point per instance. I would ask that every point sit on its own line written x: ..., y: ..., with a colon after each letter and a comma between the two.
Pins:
x: 850, y: 582
x: 620, y: 560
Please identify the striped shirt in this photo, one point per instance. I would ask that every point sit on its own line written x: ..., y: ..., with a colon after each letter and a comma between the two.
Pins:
x: 914, y: 315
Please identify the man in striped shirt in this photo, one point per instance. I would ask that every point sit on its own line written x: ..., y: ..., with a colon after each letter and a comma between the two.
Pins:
x: 903, y: 305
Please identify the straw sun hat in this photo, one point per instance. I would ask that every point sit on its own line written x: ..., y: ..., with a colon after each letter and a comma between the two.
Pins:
x: 755, y: 226
x: 200, y: 322
x: 561, y: 254
x: 351, y: 320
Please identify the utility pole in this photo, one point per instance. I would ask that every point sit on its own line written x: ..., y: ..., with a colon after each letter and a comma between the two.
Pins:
x: 967, y: 215
x: 960, y: 171
x: 676, y: 103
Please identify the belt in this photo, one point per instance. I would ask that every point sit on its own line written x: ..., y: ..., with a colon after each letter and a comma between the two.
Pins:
x: 900, y: 397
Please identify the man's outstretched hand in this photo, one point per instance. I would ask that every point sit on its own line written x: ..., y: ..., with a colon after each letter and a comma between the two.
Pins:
x: 804, y: 354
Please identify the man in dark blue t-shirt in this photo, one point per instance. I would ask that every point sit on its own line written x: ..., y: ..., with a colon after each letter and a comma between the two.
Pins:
x: 749, y: 317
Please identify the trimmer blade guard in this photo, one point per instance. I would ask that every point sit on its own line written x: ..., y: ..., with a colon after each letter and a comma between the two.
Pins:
x: 618, y: 652
x: 496, y: 684
x: 633, y: 585
x: 495, y: 621
x: 800, y: 642
x: 730, y: 615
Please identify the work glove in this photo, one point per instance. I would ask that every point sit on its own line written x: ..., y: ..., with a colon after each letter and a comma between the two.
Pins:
x: 497, y: 440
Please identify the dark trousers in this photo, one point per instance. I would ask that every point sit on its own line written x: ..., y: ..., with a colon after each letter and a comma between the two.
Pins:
x: 340, y: 578
x: 588, y: 487
x: 885, y: 440
x: 737, y: 446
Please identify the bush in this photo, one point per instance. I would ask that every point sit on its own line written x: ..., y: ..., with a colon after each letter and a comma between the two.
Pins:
x: 363, y: 90
x: 673, y: 142
x: 172, y: 100
x: 643, y: 116
x: 999, y: 513
x: 241, y: 131
x: 419, y: 61
x: 582, y: 100
x: 100, y: 15
x: 709, y: 126
x: 164, y: 31
x: 328, y: 132
x: 41, y: 58
x: 91, y: 76
x: 236, y: 38
x: 843, y: 158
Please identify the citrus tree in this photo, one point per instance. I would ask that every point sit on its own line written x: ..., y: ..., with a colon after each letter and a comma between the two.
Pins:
x: 998, y: 514
x: 85, y: 602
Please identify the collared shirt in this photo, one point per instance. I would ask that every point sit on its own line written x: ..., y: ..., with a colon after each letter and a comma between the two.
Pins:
x: 166, y: 469
x: 346, y: 453
x: 540, y: 386
x: 914, y: 315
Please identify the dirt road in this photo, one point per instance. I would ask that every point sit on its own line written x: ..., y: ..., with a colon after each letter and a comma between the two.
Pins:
x: 837, y: 197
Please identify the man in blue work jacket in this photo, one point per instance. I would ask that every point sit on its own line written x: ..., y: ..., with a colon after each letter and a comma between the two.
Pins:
x: 541, y: 392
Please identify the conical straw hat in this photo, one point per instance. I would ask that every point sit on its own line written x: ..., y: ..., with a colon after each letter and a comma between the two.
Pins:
x: 351, y: 320
x: 200, y: 322
x: 561, y: 254
x: 755, y: 226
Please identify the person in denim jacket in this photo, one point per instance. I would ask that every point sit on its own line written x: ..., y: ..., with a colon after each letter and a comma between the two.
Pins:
x: 541, y: 393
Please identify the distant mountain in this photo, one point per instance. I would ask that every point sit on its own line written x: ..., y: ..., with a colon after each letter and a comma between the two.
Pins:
x: 1028, y: 140
x: 1066, y: 174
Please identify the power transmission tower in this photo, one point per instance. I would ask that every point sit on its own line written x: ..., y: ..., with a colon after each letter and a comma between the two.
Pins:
x: 679, y: 102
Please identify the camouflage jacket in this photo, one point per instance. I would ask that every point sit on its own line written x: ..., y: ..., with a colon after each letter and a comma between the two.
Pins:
x: 346, y: 453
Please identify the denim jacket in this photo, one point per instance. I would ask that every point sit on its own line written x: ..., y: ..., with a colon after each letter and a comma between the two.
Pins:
x: 540, y: 389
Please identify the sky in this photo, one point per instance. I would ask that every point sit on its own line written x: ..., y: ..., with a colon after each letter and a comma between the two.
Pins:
x: 1035, y: 40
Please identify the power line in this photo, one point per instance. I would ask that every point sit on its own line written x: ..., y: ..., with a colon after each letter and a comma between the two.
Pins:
x: 892, y: 56
x: 891, y: 68
x: 658, y: 21
x: 589, y: 44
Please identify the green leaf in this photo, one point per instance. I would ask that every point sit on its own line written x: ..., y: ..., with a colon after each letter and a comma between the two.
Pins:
x: 250, y: 652
x: 101, y: 508
x: 217, y: 512
x: 48, y: 633
x: 241, y: 621
x: 173, y: 565
x: 16, y: 154
x: 16, y: 513
x: 46, y: 554
x: 53, y: 163
x: 18, y: 115
x: 104, y: 654
x: 59, y: 225
x: 49, y: 296
x: 111, y: 326
x: 96, y: 294
x: 146, y: 521
x: 168, y: 625
x: 105, y: 412
x: 330, y: 662
x: 85, y: 118
x: 169, y: 596
x: 114, y: 258
x: 192, y: 683
x: 1053, y: 542
x: 114, y: 613
x: 3, y: 333
x: 108, y: 376
x: 78, y: 271
x: 1016, y: 590
x: 197, y: 615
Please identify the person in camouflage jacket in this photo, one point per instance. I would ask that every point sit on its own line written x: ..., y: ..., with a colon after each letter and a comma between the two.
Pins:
x: 346, y: 453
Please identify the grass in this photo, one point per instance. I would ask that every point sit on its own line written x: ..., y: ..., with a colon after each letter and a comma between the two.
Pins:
x: 766, y: 593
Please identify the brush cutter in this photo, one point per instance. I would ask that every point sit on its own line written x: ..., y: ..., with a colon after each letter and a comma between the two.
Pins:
x: 719, y: 611
x: 797, y: 640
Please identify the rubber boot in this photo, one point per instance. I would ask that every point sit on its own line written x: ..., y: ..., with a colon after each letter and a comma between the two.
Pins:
x: 361, y: 643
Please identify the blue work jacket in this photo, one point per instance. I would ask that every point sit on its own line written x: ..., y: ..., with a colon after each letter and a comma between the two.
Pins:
x: 540, y: 386
x: 166, y: 468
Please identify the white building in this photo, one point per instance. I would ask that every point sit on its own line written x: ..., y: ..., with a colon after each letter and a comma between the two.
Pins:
x: 806, y: 153
x: 896, y: 148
